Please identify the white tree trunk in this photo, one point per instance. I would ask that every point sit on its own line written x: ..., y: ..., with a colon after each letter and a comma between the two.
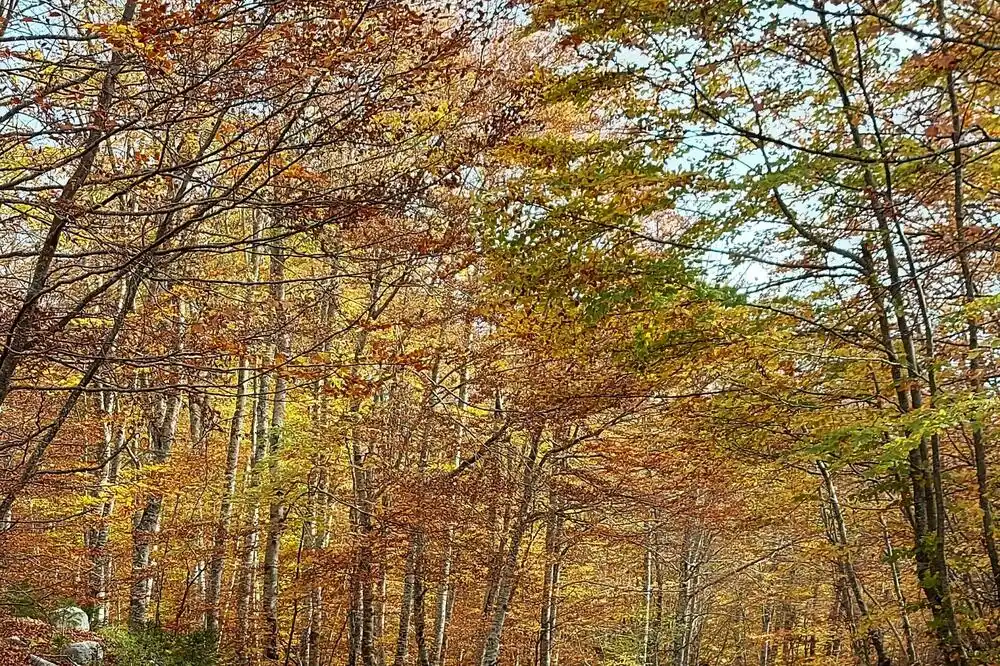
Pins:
x: 276, y: 507
x: 96, y: 538
x: 220, y: 543
x: 248, y: 560
x: 162, y: 432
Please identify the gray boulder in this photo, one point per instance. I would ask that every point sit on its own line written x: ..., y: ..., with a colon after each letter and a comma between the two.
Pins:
x: 71, y: 617
x: 85, y: 653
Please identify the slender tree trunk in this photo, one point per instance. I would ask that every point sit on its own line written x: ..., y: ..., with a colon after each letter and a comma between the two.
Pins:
x: 406, y: 602
x: 550, y: 586
x: 215, y: 568
x: 501, y: 466
x: 931, y: 530
x: 656, y: 637
x: 380, y: 594
x: 354, y: 617
x: 490, y: 654
x: 419, y: 598
x: 687, y: 632
x: 972, y: 326
x: 321, y: 538
x: 368, y: 623
x: 854, y: 583
x: 682, y: 608
x: 361, y: 615
x: 445, y: 592
x: 647, y: 602
x: 696, y: 611
x: 412, y: 602
x: 308, y: 540
x: 248, y: 564
x: 163, y: 430
x: 198, y: 428
x: 276, y: 508
x: 766, y: 656
x: 316, y: 597
x: 897, y: 589
x: 364, y: 609
x: 108, y: 455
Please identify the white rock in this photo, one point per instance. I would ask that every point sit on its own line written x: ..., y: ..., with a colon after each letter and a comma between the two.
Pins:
x: 85, y: 653
x: 38, y: 661
x: 71, y: 617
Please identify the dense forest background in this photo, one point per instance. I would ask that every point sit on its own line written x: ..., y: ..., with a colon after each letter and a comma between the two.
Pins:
x: 552, y: 332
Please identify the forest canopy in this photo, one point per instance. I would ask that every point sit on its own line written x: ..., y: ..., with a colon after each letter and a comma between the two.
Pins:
x: 434, y: 333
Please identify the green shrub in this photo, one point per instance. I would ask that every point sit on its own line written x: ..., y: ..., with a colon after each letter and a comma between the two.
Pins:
x: 152, y: 646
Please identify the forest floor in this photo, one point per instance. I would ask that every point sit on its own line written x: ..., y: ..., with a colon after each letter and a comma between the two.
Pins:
x: 22, y: 636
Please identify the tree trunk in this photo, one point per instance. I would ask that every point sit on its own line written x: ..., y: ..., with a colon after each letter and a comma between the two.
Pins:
x: 930, y: 526
x: 215, y: 569
x: 445, y: 592
x: 412, y: 602
x: 310, y: 535
x: 323, y: 516
x: 406, y: 602
x: 647, y: 602
x: 316, y: 598
x: 490, y: 654
x: 108, y: 455
x: 248, y: 563
x: 199, y: 426
x: 840, y: 540
x: 972, y: 327
x: 419, y: 599
x: 655, y: 638
x: 686, y: 636
x: 354, y: 617
x: 163, y: 430
x: 897, y: 589
x: 276, y: 508
x: 550, y: 586
x: 364, y: 608
x: 766, y: 655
